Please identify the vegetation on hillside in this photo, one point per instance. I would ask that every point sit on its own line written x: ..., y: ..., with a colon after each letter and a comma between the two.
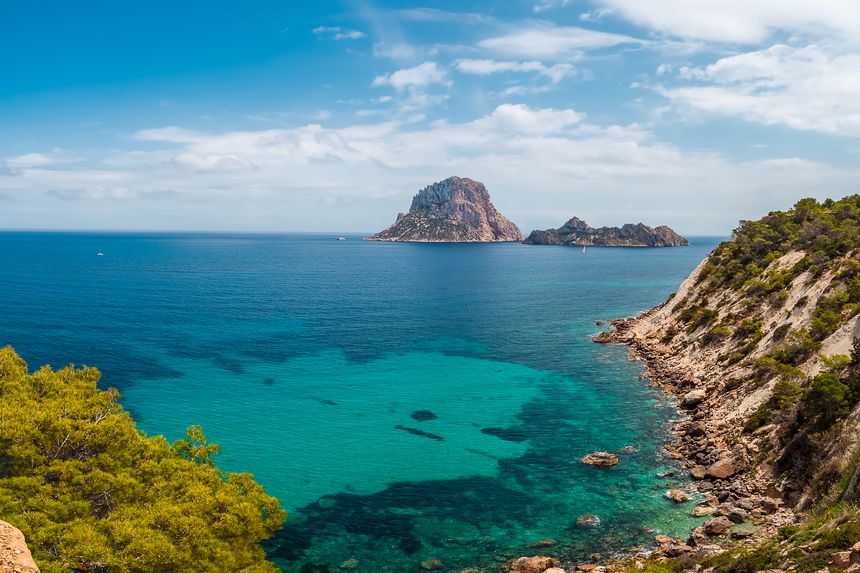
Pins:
x: 803, y: 548
x: 93, y: 493
x: 825, y: 237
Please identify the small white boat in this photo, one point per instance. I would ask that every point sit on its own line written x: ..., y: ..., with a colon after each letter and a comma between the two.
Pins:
x: 341, y: 238
x: 100, y: 254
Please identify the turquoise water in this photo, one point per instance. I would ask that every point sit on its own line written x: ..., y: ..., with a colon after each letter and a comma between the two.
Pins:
x: 404, y: 402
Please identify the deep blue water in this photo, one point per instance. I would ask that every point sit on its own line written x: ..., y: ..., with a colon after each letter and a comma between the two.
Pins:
x: 311, y: 361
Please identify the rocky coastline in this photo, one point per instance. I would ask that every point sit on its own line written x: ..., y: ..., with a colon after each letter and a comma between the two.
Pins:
x: 742, y: 505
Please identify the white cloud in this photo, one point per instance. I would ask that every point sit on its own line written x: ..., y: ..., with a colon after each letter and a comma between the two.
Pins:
x: 812, y: 88
x: 419, y: 76
x: 541, y: 166
x: 741, y: 21
x: 339, y: 33
x: 483, y: 67
x: 546, y: 5
x: 28, y: 160
x: 552, y: 42
x: 402, y: 51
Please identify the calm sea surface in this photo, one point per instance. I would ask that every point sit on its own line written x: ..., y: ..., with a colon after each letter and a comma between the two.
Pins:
x: 404, y: 401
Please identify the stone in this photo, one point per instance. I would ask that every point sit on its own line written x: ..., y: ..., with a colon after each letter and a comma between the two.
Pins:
x: 586, y: 567
x: 14, y: 552
x: 432, y: 565
x: 702, y: 511
x: 841, y: 560
x: 600, y: 459
x: 349, y: 564
x: 588, y: 520
x: 628, y: 450
x: 771, y: 504
x: 677, y: 496
x: 576, y: 232
x: 538, y: 564
x: 455, y: 210
x: 697, y: 537
x: 693, y: 398
x: 543, y: 543
x: 698, y: 472
x: 722, y: 469
x: 555, y: 570
x: 718, y: 526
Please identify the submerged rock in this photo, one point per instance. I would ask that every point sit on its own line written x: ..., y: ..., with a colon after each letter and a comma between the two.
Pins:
x: 456, y: 210
x: 423, y: 415
x: 422, y: 433
x: 588, y: 520
x: 432, y: 565
x: 600, y: 459
x: 677, y: 496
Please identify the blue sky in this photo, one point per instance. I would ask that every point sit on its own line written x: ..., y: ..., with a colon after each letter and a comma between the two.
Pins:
x: 329, y: 116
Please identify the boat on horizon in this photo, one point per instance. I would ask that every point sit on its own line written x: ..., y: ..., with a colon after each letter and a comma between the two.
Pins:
x: 341, y: 238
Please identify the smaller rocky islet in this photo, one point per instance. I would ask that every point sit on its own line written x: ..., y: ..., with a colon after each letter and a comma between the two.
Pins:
x: 459, y: 210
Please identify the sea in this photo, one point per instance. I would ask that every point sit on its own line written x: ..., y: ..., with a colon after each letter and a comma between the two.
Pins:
x: 408, y: 404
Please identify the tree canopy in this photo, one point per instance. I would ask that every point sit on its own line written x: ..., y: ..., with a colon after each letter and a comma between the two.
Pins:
x: 91, y: 492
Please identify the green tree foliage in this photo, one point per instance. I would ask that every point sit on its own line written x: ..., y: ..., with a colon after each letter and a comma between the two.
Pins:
x: 826, y: 231
x: 93, y: 493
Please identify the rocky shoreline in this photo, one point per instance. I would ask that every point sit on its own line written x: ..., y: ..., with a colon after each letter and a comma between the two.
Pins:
x: 740, y: 505
x: 743, y: 504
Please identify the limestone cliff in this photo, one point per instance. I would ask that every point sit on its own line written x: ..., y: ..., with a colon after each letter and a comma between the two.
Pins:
x: 456, y: 210
x: 577, y: 232
x: 14, y: 554
x: 759, y: 344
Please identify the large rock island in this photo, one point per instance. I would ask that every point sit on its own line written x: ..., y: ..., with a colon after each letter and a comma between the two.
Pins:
x: 456, y: 210
x: 577, y: 232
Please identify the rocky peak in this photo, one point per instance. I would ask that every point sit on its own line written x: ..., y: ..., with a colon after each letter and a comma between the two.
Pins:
x: 457, y: 209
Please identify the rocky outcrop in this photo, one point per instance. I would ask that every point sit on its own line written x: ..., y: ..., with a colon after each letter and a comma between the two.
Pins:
x: 577, y: 232
x: 600, y: 459
x: 456, y: 210
x: 14, y: 554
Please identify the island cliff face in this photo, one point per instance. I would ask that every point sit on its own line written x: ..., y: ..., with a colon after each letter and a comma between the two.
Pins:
x: 577, y: 232
x: 456, y: 210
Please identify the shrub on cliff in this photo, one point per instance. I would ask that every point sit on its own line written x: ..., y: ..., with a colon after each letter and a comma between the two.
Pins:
x: 93, y: 493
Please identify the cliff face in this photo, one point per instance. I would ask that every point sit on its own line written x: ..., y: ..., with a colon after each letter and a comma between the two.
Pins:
x: 760, y: 345
x: 14, y: 554
x: 577, y: 232
x: 454, y: 210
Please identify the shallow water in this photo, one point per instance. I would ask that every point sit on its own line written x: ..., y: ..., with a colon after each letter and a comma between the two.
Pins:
x: 405, y: 402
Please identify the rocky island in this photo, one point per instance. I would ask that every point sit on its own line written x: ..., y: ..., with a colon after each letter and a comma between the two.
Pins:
x: 577, y: 232
x: 456, y: 210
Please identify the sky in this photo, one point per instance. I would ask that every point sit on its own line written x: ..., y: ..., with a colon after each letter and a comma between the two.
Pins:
x: 287, y: 116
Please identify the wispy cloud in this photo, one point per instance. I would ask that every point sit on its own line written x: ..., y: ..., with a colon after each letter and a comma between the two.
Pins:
x: 811, y: 88
x: 546, y: 41
x: 483, y: 67
x: 339, y: 33
x: 740, y: 21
